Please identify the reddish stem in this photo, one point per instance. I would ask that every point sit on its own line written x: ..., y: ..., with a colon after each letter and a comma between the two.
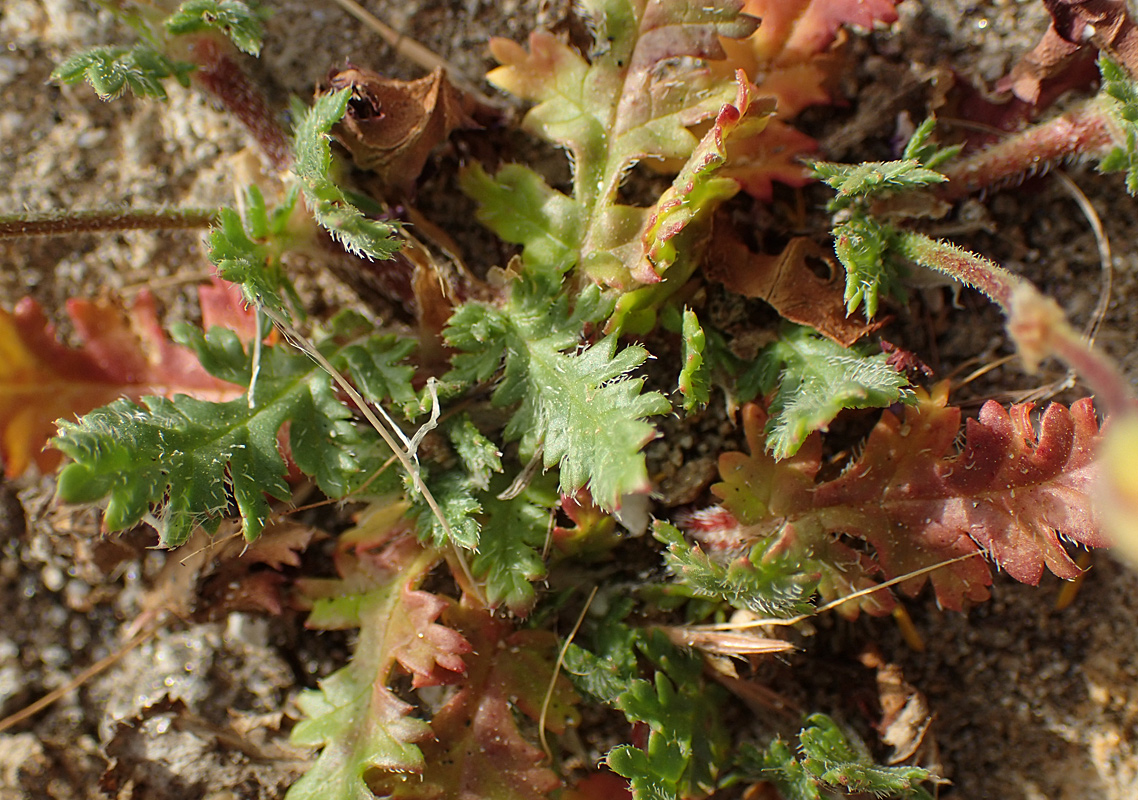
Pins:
x: 220, y: 75
x: 968, y: 268
x: 1036, y: 323
x: 1085, y: 130
x: 57, y: 223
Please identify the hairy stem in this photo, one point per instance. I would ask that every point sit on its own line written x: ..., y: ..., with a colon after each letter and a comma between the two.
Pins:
x: 1084, y: 131
x: 1036, y: 323
x: 220, y: 75
x: 61, y: 223
x: 967, y: 267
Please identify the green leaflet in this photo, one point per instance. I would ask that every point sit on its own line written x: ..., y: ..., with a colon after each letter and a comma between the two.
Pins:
x: 509, y: 554
x: 518, y: 206
x: 833, y: 760
x: 1123, y: 106
x: 854, y: 181
x: 233, y: 18
x: 455, y: 495
x: 864, y: 246
x: 112, y: 70
x: 775, y: 585
x: 695, y: 379
x: 327, y: 201
x: 246, y: 250
x: 582, y: 408
x: 686, y: 742
x: 816, y: 379
x: 178, y: 462
x: 480, y: 457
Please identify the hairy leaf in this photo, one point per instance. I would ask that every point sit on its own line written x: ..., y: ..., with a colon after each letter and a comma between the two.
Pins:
x: 480, y: 457
x: 831, y: 759
x: 815, y: 379
x: 246, y: 250
x: 686, y: 741
x: 455, y: 494
x: 854, y: 181
x: 1123, y: 93
x: 581, y: 408
x: 766, y: 582
x: 865, y: 249
x: 233, y: 18
x: 327, y: 201
x: 509, y: 557
x: 112, y: 70
x: 178, y: 462
x: 1010, y: 494
x: 522, y: 209
x: 124, y: 353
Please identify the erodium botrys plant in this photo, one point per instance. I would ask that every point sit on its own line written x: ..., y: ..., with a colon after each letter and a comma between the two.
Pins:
x: 496, y: 441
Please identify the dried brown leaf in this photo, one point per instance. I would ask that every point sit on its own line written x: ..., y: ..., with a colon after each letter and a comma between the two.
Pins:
x: 786, y: 282
x: 1106, y: 24
x: 391, y: 126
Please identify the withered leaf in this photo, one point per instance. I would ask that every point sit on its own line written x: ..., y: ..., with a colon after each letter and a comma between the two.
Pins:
x: 1104, y: 23
x: 786, y: 281
x: 391, y: 126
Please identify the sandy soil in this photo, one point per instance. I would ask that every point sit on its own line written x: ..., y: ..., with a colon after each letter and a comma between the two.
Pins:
x: 1030, y: 702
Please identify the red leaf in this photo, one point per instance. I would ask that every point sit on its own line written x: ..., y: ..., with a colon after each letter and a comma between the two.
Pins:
x: 434, y: 655
x: 123, y: 353
x: 794, y: 30
x: 1009, y: 494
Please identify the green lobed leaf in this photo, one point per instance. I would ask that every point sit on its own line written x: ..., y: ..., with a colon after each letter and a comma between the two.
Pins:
x: 326, y: 201
x: 695, y: 380
x: 686, y: 741
x: 919, y: 147
x: 778, y: 765
x: 113, y: 70
x: 815, y: 379
x: 178, y: 462
x: 856, y: 181
x: 240, y: 22
x: 518, y: 206
x: 245, y: 248
x: 829, y: 760
x: 767, y: 582
x: 841, y: 761
x: 456, y: 498
x: 582, y: 408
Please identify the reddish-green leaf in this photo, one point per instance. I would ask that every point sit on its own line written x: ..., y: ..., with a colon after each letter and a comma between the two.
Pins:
x: 1011, y: 494
x: 478, y: 750
x: 123, y: 353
